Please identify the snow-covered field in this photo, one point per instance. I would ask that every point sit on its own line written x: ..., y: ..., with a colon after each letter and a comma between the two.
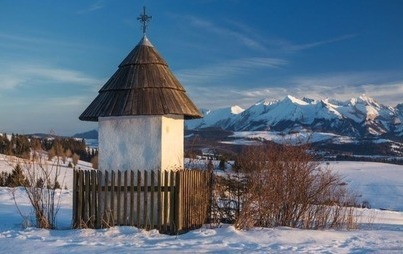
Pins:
x: 302, y: 137
x: 379, y: 231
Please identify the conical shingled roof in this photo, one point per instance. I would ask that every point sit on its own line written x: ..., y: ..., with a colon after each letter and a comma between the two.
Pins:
x: 142, y: 85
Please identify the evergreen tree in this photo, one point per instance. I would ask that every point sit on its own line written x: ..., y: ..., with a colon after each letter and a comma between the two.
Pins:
x: 222, y: 165
x: 17, y: 177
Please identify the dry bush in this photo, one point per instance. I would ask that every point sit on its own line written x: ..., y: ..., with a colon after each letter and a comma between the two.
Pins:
x: 94, y: 162
x: 286, y: 187
x: 75, y: 159
x: 43, y: 178
x: 228, y: 196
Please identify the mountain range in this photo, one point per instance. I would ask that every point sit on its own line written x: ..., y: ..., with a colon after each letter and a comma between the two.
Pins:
x: 359, y: 118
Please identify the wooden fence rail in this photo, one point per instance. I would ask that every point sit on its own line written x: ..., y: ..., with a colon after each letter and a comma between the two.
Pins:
x: 172, y: 202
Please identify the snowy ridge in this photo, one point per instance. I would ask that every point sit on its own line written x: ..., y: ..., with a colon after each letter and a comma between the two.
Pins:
x: 359, y: 117
x: 212, y: 117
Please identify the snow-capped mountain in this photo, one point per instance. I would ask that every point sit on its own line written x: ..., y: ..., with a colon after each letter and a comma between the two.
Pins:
x: 358, y: 117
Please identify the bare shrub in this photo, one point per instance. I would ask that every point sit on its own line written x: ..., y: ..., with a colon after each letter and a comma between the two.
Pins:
x: 94, y: 162
x: 228, y: 196
x: 286, y: 187
x: 41, y: 180
x: 75, y: 159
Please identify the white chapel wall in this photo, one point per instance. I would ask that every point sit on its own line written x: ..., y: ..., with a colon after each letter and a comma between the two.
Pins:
x: 172, y: 142
x: 129, y: 143
x: 141, y: 142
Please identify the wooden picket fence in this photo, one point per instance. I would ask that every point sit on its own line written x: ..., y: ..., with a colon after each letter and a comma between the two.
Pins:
x: 172, y: 202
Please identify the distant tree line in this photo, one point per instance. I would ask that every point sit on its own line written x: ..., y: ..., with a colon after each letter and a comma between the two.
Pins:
x: 391, y: 160
x: 21, y: 146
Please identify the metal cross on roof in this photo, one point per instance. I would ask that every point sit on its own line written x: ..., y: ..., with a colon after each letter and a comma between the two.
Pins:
x: 144, y: 19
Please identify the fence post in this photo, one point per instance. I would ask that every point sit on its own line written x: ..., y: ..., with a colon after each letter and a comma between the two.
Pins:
x: 145, y: 200
x: 99, y: 208
x: 80, y: 194
x: 159, y: 200
x: 125, y: 200
x: 93, y: 197
x: 106, y: 213
x: 75, y: 189
x: 112, y: 204
x: 178, y: 202
x: 118, y: 198
x: 87, y: 197
x: 172, y: 202
x: 138, y: 198
x: 166, y: 193
x: 132, y: 198
x: 152, y: 199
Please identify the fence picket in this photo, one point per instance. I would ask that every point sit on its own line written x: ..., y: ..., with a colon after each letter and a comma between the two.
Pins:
x: 159, y: 199
x: 74, y: 219
x: 99, y: 214
x: 112, y: 204
x: 165, y: 222
x: 152, y: 193
x: 132, y: 198
x: 138, y: 198
x: 93, y: 197
x: 125, y: 221
x: 106, y: 207
x: 118, y: 198
x: 87, y: 197
x: 177, y: 198
x: 145, y: 200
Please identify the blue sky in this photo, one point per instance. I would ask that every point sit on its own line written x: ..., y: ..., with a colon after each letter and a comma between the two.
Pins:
x: 55, y: 55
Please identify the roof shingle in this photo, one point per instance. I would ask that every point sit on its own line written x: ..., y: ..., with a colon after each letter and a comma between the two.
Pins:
x: 142, y: 85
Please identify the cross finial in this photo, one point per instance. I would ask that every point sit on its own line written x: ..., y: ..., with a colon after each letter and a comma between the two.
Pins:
x: 144, y: 19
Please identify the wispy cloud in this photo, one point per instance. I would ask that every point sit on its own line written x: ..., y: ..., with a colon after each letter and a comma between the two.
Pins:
x: 225, y: 32
x: 23, y: 39
x: 341, y: 86
x: 247, y: 36
x: 15, y: 75
x: 93, y: 7
x: 228, y: 70
x: 38, y: 42
x: 385, y: 86
x: 297, y: 47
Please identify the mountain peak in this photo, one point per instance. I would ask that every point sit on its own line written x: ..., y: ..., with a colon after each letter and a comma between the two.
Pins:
x: 364, y: 99
x: 236, y: 110
x: 359, y: 117
x: 265, y: 102
x: 295, y: 100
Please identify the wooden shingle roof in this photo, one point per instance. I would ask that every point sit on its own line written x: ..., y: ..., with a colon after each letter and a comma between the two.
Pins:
x: 142, y: 85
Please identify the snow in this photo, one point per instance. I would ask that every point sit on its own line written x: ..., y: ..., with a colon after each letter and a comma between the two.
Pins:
x: 65, y: 175
x: 211, y: 117
x: 281, y: 137
x: 292, y: 112
x: 379, y: 231
x: 380, y: 184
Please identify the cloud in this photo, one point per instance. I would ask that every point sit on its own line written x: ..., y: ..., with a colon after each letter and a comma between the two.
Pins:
x: 297, y: 47
x: 341, y: 86
x: 246, y: 40
x: 93, y: 7
x: 248, y: 37
x: 15, y: 75
x: 16, y: 43
x: 228, y: 70
x: 24, y: 39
